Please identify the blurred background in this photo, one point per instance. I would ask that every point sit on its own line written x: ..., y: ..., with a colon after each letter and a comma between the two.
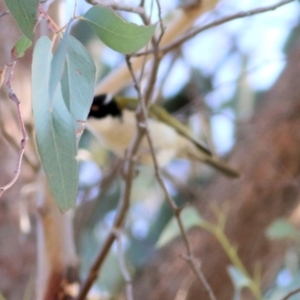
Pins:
x: 236, y: 86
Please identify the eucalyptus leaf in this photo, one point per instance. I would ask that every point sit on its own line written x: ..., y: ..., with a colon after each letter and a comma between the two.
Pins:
x: 21, y: 46
x: 57, y: 65
x: 25, y: 14
x: 115, y: 32
x: 55, y: 131
x: 78, y: 79
x: 190, y: 217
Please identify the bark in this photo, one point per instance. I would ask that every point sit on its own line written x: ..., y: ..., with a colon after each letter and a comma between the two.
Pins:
x: 267, y: 154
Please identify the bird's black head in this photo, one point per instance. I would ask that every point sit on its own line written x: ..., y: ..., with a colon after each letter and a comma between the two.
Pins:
x: 104, y: 105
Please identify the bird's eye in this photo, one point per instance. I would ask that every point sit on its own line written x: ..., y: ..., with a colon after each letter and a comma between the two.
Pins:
x: 94, y: 108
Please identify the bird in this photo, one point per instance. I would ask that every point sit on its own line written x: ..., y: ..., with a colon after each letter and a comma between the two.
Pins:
x: 112, y: 119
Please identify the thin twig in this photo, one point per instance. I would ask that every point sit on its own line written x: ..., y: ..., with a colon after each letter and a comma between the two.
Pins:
x: 178, y: 42
x: 154, y: 69
x: 142, y: 117
x: 118, y: 6
x: 190, y: 258
x: 14, y: 143
x: 290, y: 294
x: 123, y: 268
x: 14, y: 98
x: 128, y: 174
x: 51, y: 24
x: 128, y: 171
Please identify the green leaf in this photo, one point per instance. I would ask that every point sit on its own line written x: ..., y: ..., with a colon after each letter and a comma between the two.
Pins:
x: 190, y: 218
x: 115, y: 32
x: 57, y: 65
x: 55, y: 131
x: 281, y: 229
x: 78, y: 80
x: 21, y: 46
x: 25, y: 14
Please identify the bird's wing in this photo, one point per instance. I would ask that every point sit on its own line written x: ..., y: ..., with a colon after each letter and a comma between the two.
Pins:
x: 162, y: 115
x: 159, y: 113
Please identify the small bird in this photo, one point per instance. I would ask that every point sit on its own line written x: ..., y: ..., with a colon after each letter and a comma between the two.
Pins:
x: 113, y: 121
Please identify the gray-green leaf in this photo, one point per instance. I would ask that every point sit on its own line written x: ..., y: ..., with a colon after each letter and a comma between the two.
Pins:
x: 78, y: 80
x: 55, y: 131
x: 25, y: 14
x: 115, y: 32
x: 57, y: 65
x: 21, y: 46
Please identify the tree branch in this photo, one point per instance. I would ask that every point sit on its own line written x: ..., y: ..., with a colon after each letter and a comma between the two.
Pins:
x: 14, y: 98
x: 178, y: 42
x: 290, y: 294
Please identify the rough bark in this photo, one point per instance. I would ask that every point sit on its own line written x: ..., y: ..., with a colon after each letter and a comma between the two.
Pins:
x: 267, y: 153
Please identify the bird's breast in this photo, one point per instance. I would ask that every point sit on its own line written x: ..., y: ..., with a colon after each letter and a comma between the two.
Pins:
x: 117, y: 133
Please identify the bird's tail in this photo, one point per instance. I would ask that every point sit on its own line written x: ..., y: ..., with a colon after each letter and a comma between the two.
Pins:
x: 221, y: 166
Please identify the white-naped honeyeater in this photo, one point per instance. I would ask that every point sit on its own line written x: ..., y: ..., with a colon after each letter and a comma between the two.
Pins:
x: 113, y: 121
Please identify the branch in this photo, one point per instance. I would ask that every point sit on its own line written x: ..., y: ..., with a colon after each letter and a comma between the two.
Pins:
x: 120, y: 77
x: 142, y: 118
x: 14, y: 98
x: 118, y: 6
x: 178, y: 42
x: 122, y: 264
x: 128, y: 174
x: 290, y: 294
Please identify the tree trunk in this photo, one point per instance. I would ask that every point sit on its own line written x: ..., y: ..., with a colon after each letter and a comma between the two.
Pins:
x: 267, y: 154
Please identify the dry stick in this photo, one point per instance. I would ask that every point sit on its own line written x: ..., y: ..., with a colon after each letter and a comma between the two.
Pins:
x: 23, y: 142
x: 15, y: 145
x: 128, y: 172
x: 190, y: 258
x: 178, y: 42
x: 154, y: 70
x: 118, y: 6
x: 122, y: 264
x: 291, y: 294
x: 118, y: 223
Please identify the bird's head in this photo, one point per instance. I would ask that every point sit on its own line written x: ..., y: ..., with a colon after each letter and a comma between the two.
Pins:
x: 104, y: 105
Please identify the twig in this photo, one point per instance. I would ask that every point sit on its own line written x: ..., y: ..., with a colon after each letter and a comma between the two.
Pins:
x: 14, y: 143
x: 14, y: 98
x: 142, y: 122
x: 51, y: 24
x: 178, y: 42
x: 296, y: 291
x: 128, y: 173
x: 122, y: 264
x: 190, y: 258
x: 118, y: 6
x: 154, y: 69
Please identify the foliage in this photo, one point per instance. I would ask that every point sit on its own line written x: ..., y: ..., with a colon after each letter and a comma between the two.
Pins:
x: 64, y: 95
x: 63, y: 78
